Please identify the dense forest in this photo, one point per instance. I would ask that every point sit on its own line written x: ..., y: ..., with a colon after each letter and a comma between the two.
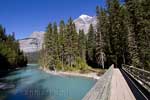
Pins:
x: 64, y: 48
x: 121, y: 36
x: 10, y: 55
x: 32, y: 57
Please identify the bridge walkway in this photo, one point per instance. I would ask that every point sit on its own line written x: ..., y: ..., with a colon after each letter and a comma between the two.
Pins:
x: 116, y: 84
x: 119, y: 87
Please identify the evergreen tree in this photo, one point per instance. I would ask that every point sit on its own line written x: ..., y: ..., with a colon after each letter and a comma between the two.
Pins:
x: 91, y: 44
x: 133, y: 7
x: 143, y: 38
x: 123, y: 37
x: 82, y: 44
x: 144, y: 34
x: 113, y: 19
x: 102, y: 38
x: 71, y: 43
x: 62, y: 31
x: 115, y: 30
x: 2, y: 33
x: 63, y: 49
x: 47, y: 50
x: 11, y: 56
x: 56, y: 46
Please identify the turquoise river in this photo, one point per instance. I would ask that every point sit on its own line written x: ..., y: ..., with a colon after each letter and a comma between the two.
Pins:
x: 30, y: 83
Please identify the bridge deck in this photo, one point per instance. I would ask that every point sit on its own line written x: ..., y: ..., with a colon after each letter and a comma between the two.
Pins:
x: 119, y: 87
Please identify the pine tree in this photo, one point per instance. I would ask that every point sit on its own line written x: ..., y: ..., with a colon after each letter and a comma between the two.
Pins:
x: 143, y: 37
x: 10, y: 54
x: 91, y: 44
x: 2, y: 33
x: 145, y: 34
x: 48, y: 50
x: 71, y: 43
x: 61, y: 48
x: 102, y: 37
x: 62, y: 32
x: 82, y: 44
x: 124, y: 27
x: 56, y: 46
x: 114, y: 29
x: 133, y: 8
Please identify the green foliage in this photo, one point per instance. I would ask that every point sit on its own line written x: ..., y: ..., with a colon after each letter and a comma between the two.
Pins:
x: 82, y: 44
x: 139, y: 25
x: 81, y: 64
x: 62, y: 48
x: 62, y: 41
x: 121, y: 36
x: 32, y: 57
x: 123, y: 33
x: 102, y: 37
x: 91, y: 43
x: 10, y: 54
x: 72, y: 43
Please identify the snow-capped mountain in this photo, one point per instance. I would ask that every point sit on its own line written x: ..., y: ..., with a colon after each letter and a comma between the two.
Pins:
x: 34, y: 42
x: 84, y: 21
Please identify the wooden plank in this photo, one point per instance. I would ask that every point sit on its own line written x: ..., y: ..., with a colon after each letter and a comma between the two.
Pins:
x: 119, y: 87
x: 101, y: 90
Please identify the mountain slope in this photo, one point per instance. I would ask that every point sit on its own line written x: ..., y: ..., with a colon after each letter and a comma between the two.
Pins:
x: 84, y: 21
x: 34, y: 42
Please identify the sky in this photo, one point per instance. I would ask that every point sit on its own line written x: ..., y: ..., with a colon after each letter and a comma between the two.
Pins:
x: 26, y: 16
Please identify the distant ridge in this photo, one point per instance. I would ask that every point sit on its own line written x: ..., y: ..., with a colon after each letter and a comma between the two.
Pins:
x: 34, y: 42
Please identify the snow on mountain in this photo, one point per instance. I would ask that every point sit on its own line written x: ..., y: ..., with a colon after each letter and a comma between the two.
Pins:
x: 85, y: 17
x: 34, y: 42
x: 84, y: 21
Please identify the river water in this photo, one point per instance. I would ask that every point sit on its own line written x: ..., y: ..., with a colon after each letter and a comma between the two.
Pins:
x: 30, y: 83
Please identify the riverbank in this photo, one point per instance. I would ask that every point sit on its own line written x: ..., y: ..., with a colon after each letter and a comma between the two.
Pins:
x: 92, y: 74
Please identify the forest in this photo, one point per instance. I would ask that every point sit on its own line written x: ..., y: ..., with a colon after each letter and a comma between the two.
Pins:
x: 121, y: 36
x: 11, y: 57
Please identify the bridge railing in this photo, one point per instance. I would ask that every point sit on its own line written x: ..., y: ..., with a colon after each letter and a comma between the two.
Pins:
x: 142, y: 76
x: 101, y: 90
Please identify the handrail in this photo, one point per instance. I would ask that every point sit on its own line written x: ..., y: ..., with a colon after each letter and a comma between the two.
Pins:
x: 142, y: 76
x: 101, y: 90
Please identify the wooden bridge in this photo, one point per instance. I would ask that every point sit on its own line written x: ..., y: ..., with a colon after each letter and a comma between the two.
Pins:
x: 128, y: 83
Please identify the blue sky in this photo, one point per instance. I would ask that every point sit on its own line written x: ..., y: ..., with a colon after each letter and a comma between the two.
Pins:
x: 25, y: 16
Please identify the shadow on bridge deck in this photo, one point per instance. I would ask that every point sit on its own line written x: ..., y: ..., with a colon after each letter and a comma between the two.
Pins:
x: 138, y: 91
x: 115, y: 84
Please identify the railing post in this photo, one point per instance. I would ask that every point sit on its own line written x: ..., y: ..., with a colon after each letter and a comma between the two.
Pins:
x: 142, y: 76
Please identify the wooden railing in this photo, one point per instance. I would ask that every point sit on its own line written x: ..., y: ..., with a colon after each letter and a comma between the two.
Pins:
x: 142, y: 76
x: 101, y: 90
